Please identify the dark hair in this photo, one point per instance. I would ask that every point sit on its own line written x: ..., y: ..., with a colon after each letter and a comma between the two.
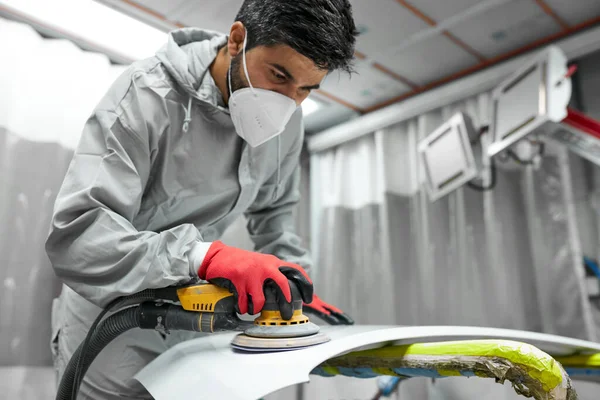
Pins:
x: 321, y: 30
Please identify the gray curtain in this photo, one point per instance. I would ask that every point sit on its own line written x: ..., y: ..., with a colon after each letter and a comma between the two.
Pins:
x: 25, y: 211
x: 507, y: 258
x: 27, y: 194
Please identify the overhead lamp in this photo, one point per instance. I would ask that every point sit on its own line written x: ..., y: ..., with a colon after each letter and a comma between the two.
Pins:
x: 94, y: 23
x: 447, y: 156
x: 534, y: 100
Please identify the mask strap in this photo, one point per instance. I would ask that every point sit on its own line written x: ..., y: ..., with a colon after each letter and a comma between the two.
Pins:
x: 244, y: 60
x: 245, y: 68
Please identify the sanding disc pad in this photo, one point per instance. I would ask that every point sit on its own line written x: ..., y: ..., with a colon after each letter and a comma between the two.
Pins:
x: 282, y: 331
x: 261, y: 344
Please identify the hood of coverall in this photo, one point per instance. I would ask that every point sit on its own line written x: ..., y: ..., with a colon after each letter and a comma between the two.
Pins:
x: 187, y: 56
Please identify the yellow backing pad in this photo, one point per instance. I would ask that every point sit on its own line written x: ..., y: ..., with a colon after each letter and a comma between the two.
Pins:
x: 273, y: 318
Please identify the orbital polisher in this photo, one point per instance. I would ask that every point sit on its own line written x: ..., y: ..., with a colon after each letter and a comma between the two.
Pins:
x: 270, y: 331
x: 203, y: 308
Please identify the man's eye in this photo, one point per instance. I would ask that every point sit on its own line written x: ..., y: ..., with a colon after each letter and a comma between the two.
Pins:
x: 277, y: 75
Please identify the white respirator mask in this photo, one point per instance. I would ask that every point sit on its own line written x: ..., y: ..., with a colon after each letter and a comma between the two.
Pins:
x: 257, y: 114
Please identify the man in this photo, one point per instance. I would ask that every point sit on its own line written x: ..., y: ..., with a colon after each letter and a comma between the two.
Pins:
x: 181, y: 145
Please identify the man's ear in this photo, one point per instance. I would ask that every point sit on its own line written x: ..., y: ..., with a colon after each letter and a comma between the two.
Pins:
x: 235, y: 42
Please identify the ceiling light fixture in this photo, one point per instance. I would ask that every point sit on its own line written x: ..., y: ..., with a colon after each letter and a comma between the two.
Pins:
x: 94, y: 23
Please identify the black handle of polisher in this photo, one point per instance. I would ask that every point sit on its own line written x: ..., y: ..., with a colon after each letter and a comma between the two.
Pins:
x: 275, y: 300
x: 166, y: 317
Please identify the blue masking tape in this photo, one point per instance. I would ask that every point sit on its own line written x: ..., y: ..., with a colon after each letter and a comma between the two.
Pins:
x: 358, y: 372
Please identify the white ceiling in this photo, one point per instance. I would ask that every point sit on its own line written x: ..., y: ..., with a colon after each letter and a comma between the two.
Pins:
x: 410, y: 45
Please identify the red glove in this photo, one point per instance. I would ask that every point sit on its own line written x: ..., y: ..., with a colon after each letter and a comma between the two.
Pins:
x: 244, y: 273
x: 330, y: 314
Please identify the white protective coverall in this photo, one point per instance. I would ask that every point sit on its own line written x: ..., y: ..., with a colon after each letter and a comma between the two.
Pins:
x: 160, y: 173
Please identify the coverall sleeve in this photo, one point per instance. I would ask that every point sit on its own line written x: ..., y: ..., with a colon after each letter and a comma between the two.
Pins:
x: 92, y: 245
x: 272, y: 227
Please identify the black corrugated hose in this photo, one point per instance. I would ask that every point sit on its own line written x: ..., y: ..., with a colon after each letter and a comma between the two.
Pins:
x: 120, y: 302
x: 107, y: 330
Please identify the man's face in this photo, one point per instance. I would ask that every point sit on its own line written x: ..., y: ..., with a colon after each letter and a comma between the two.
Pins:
x: 278, y: 68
